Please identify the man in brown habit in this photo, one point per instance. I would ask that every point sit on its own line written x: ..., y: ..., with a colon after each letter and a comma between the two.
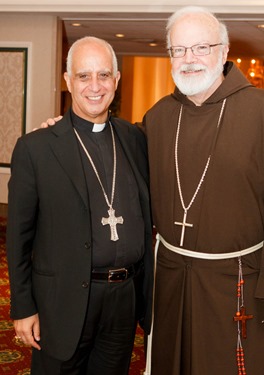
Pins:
x: 206, y: 154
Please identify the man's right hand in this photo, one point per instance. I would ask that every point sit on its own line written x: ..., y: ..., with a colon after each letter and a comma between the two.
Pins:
x: 28, y: 330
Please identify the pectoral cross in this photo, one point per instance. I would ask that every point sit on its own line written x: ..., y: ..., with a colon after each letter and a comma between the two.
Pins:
x: 241, y: 316
x: 184, y: 224
x: 112, y: 220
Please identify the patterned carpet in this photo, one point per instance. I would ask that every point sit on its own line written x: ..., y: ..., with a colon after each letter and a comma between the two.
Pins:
x: 15, y: 357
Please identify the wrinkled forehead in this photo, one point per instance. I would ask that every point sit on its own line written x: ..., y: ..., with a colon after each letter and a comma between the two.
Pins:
x: 193, y: 29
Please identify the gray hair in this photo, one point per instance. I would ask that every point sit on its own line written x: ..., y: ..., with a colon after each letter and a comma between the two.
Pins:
x: 95, y: 40
x: 223, y: 33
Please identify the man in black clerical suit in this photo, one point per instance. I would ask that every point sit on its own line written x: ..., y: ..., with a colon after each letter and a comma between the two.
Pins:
x: 79, y: 235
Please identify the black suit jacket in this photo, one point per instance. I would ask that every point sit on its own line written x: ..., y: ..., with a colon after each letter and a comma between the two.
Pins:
x: 49, y: 240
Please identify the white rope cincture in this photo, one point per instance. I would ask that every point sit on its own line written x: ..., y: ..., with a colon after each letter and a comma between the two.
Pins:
x: 216, y: 256
x: 192, y: 254
x: 149, y: 344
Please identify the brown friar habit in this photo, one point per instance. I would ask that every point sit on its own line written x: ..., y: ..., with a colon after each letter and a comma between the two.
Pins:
x: 195, y: 300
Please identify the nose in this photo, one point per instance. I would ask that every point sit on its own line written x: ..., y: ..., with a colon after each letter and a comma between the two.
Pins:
x: 94, y: 84
x: 189, y: 56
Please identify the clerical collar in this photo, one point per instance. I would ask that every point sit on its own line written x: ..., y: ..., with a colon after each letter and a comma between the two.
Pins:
x: 98, y: 127
x: 85, y: 125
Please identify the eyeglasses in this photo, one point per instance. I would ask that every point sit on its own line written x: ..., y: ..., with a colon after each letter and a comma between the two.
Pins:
x: 198, y: 50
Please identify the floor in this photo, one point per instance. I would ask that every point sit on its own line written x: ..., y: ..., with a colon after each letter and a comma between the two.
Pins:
x: 3, y: 210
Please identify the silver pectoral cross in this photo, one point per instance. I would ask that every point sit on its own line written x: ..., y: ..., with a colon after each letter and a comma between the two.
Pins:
x: 184, y: 224
x: 112, y: 220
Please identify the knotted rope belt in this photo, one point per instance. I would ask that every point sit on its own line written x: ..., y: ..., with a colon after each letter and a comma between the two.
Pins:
x: 217, y: 256
x: 193, y: 254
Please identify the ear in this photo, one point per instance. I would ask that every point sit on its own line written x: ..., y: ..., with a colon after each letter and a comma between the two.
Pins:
x: 67, y: 80
x: 117, y: 78
x: 225, y: 53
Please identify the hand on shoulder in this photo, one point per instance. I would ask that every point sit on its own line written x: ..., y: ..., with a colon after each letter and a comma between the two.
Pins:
x: 49, y: 122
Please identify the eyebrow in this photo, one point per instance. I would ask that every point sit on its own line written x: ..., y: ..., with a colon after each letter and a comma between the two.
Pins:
x: 91, y: 72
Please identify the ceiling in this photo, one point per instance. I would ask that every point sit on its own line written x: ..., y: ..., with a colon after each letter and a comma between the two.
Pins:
x: 140, y: 29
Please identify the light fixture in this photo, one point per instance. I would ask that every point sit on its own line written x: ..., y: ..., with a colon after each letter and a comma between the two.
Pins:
x: 255, y: 73
x: 76, y: 24
x: 253, y: 69
x: 120, y: 35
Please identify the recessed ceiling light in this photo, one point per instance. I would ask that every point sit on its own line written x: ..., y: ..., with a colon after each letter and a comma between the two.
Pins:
x: 261, y: 26
x: 153, y: 44
x: 76, y: 24
x: 120, y: 35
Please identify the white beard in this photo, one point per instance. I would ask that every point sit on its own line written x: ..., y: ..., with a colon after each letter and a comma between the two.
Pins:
x: 192, y: 85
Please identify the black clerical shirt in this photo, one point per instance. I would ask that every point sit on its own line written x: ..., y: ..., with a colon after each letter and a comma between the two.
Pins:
x: 129, y: 248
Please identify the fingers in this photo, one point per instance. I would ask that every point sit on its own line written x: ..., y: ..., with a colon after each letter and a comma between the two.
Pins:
x: 28, y: 331
x: 27, y: 339
x: 46, y: 124
x: 49, y: 122
x: 58, y: 118
x: 36, y: 336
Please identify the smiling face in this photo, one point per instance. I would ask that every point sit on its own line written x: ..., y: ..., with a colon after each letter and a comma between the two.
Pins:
x: 92, y: 81
x: 197, y: 75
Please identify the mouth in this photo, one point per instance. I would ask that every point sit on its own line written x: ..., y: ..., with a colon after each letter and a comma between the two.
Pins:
x: 191, y: 71
x: 95, y: 98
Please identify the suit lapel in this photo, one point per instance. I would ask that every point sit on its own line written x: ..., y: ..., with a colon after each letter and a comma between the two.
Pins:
x: 66, y: 150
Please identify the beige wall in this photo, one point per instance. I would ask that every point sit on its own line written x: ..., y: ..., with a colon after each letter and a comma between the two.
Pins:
x: 42, y: 35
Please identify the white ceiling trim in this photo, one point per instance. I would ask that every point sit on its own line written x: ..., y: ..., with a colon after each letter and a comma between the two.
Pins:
x: 146, y: 6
